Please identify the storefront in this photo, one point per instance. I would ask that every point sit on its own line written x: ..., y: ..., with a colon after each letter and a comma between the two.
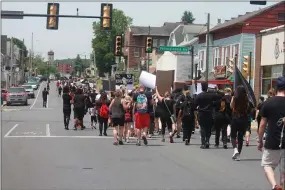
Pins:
x: 272, y: 58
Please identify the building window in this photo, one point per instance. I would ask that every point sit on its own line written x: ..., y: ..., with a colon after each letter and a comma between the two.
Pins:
x: 154, y: 42
x: 281, y: 17
x: 201, y: 60
x: 266, y: 72
x: 136, y: 52
x: 266, y: 85
x: 161, y: 42
x: 216, y: 57
x: 269, y: 77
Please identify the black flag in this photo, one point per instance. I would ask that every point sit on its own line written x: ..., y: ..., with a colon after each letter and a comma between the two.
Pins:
x: 240, y: 80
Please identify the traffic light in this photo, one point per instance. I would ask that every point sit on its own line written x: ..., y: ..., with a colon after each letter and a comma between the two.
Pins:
x: 245, y: 66
x: 118, y: 45
x: 52, y: 21
x: 148, y: 45
x: 231, y: 65
x: 106, y: 16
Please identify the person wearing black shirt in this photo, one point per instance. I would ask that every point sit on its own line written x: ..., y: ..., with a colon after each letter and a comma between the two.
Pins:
x: 59, y: 91
x: 45, y: 95
x: 186, y: 113
x: 273, y: 116
x: 167, y: 116
x: 204, y: 103
x: 66, y: 98
x: 221, y: 119
x: 79, y: 108
x: 259, y: 107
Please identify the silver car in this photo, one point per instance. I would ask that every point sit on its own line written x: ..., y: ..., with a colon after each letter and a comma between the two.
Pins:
x: 17, y: 95
x: 29, y: 89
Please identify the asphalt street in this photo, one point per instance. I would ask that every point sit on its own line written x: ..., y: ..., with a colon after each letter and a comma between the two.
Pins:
x: 38, y: 154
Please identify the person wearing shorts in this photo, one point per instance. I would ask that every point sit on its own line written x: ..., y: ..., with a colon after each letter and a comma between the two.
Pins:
x: 142, y: 116
x: 272, y: 114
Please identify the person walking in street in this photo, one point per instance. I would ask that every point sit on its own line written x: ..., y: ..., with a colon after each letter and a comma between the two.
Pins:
x: 168, y: 115
x: 66, y: 98
x: 102, y: 108
x: 79, y: 109
x: 142, y: 117
x: 204, y: 103
x: 45, y: 96
x: 59, y: 91
x: 117, y: 108
x: 239, y: 123
x: 187, y: 115
x: 259, y: 107
x: 273, y: 117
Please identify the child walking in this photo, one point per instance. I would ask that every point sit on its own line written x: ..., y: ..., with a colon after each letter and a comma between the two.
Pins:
x: 92, y: 112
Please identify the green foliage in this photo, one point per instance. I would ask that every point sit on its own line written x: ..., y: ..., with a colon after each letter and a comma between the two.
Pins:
x: 42, y: 67
x: 188, y: 17
x: 103, y: 42
x: 77, y: 64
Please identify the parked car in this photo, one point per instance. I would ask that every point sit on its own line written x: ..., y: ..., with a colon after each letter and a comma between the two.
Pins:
x: 33, y: 84
x: 29, y: 89
x: 17, y: 95
x: 4, y: 94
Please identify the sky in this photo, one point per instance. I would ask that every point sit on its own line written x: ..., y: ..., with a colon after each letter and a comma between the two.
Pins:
x: 74, y: 35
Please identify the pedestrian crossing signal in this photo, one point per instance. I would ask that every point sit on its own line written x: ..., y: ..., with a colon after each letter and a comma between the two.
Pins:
x: 106, y: 16
x: 231, y: 65
x: 245, y: 66
x: 52, y: 21
x: 148, y: 46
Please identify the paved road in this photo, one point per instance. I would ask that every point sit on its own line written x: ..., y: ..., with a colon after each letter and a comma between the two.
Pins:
x: 38, y: 154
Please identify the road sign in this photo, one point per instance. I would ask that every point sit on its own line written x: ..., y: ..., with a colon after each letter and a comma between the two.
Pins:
x: 173, y: 48
x: 12, y: 14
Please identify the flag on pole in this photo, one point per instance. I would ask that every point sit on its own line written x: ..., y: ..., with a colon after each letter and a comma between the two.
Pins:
x: 240, y: 80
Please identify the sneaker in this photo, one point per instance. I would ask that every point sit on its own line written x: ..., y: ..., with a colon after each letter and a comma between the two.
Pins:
x: 277, y: 187
x: 105, y: 134
x: 115, y: 143
x: 171, y: 139
x: 121, y: 143
x: 203, y: 146
x: 237, y: 157
x: 247, y: 143
x: 178, y: 136
x: 216, y: 146
x: 144, y: 140
x: 187, y: 142
x: 225, y: 146
x: 128, y: 140
x: 235, y: 154
x: 138, y: 143
x: 207, y: 145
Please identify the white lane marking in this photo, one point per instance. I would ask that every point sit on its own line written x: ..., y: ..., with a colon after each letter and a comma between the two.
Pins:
x: 10, y: 131
x: 39, y: 90
x: 47, y: 130
x: 80, y: 137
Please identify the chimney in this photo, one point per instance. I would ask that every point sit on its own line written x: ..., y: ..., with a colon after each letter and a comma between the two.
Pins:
x: 219, y: 21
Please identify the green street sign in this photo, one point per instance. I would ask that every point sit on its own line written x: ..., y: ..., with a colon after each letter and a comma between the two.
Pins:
x: 173, y: 48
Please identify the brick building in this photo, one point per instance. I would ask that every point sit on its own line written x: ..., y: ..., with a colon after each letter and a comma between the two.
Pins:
x: 135, y: 37
x: 65, y: 66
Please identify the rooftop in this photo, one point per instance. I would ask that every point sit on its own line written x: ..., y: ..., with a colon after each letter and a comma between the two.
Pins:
x: 164, y: 30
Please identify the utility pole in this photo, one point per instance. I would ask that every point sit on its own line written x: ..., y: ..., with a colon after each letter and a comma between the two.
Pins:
x: 249, y: 67
x: 207, y: 48
x: 148, y: 53
x: 192, y: 62
x: 32, y: 51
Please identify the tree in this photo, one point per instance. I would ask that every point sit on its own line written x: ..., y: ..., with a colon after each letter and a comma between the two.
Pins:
x: 43, y: 68
x: 187, y: 17
x: 78, y: 64
x: 103, y: 42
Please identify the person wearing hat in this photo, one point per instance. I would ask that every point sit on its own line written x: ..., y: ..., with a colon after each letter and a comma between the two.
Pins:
x: 272, y: 116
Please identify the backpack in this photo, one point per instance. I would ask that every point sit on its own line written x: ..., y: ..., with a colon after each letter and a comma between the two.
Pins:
x: 187, y: 111
x: 141, y: 104
x: 104, y: 111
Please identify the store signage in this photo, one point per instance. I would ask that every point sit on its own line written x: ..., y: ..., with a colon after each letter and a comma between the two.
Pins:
x: 220, y: 72
x: 277, y: 51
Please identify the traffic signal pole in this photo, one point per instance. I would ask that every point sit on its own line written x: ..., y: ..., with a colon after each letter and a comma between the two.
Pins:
x: 8, y: 15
